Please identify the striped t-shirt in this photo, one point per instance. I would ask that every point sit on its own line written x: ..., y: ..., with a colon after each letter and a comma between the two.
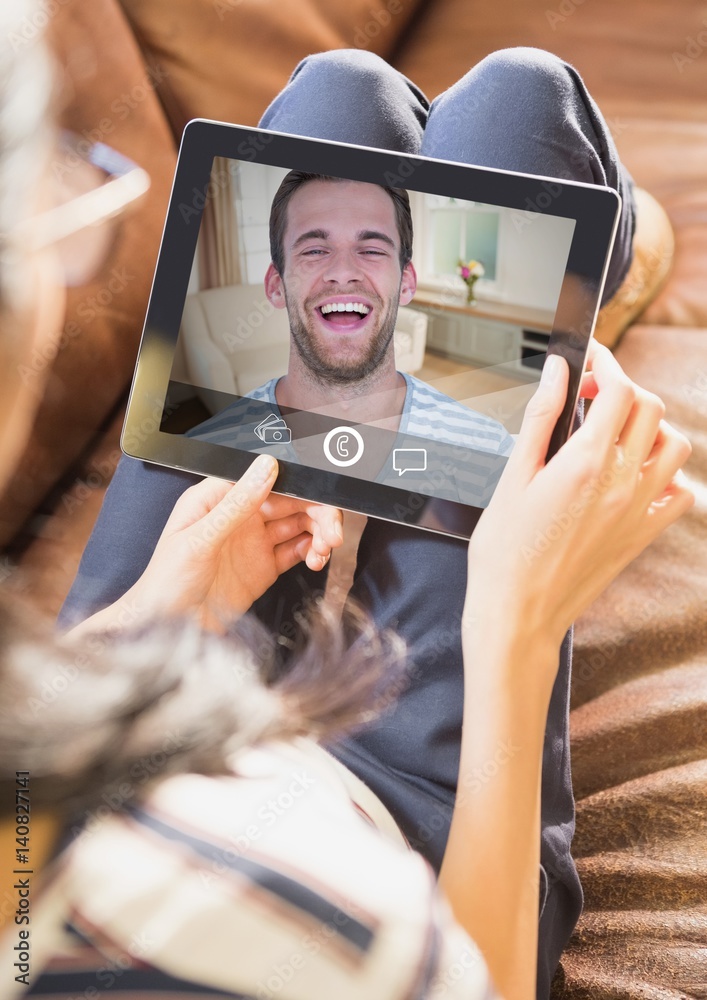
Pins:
x: 464, y: 451
x: 271, y: 883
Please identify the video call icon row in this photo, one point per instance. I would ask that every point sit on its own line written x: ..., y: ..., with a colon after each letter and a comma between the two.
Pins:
x: 343, y: 446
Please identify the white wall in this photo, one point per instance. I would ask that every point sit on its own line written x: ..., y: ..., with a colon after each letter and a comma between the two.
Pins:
x: 532, y: 253
x: 258, y: 184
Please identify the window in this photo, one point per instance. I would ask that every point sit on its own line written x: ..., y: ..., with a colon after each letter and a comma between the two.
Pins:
x: 459, y: 230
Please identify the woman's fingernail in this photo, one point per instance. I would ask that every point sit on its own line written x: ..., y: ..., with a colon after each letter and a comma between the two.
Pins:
x: 262, y: 469
x: 551, y: 369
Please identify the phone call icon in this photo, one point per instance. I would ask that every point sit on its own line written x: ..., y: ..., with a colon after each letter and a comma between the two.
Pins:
x: 343, y: 446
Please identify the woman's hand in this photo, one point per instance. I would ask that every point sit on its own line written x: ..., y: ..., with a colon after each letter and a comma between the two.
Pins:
x: 223, y: 546
x: 556, y: 534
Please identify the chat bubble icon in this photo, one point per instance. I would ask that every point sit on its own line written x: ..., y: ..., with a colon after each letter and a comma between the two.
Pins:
x: 409, y: 460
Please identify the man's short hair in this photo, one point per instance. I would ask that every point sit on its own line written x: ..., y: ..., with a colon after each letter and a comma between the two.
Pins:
x: 295, y: 179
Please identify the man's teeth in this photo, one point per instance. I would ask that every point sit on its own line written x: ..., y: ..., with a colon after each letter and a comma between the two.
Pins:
x: 348, y: 307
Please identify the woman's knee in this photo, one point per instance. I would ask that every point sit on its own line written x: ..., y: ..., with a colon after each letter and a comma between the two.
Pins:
x: 539, y: 77
x: 352, y: 67
x: 355, y: 81
x: 519, y: 109
x: 351, y: 95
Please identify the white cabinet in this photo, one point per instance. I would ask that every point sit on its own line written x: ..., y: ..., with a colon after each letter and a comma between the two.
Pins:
x: 472, y: 338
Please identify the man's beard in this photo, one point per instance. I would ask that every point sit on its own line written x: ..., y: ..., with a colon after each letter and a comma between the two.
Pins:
x: 341, y: 371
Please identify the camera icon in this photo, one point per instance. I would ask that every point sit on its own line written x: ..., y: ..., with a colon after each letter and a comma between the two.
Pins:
x: 273, y: 430
x: 277, y: 435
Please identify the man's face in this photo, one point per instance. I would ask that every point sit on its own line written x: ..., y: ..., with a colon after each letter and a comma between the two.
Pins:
x: 342, y: 282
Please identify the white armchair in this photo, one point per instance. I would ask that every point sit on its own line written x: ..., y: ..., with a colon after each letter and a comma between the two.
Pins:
x: 234, y: 339
x: 410, y: 339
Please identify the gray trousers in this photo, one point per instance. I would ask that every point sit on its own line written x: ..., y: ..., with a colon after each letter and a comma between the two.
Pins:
x: 519, y: 109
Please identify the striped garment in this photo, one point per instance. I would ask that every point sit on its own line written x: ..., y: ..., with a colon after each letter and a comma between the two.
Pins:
x: 465, y: 451
x: 271, y: 883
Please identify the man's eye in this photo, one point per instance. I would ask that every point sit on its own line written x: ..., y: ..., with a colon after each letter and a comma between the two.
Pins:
x: 375, y: 252
x: 312, y: 251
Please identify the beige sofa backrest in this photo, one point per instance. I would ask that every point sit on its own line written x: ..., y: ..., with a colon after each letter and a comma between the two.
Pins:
x: 233, y: 338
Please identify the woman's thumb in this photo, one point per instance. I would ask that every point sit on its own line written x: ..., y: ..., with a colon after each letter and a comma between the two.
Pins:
x: 541, y: 415
x: 242, y: 500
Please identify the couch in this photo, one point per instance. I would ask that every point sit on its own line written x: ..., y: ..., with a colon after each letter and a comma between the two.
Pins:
x: 132, y: 73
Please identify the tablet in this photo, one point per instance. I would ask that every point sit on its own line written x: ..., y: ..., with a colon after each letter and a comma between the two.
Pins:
x: 375, y: 321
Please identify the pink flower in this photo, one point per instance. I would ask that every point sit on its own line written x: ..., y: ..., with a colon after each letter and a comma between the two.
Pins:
x: 465, y: 272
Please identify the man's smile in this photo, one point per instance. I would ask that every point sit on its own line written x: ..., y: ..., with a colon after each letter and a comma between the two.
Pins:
x: 344, y: 313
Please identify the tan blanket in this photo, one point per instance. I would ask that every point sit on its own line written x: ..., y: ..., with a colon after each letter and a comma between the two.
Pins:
x: 639, y: 732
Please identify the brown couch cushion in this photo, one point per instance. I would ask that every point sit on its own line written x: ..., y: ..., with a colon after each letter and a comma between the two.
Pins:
x: 61, y: 526
x: 624, y: 54
x: 108, y: 95
x: 227, y: 59
x: 668, y: 158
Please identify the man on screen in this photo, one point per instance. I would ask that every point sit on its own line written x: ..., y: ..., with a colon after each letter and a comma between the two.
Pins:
x: 341, y: 265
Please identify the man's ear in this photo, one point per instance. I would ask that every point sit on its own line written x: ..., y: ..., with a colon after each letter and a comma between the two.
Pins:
x: 408, y: 284
x: 274, y: 288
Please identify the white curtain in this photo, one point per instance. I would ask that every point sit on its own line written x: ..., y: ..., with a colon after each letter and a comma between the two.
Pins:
x: 219, y: 261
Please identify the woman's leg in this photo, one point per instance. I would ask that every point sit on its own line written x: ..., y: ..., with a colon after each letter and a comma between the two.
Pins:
x: 408, y: 579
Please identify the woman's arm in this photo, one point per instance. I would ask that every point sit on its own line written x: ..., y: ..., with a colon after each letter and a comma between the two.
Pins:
x: 221, y: 549
x: 552, y: 539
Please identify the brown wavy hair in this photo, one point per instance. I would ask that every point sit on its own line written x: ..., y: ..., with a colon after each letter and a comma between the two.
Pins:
x: 294, y: 180
x: 84, y: 718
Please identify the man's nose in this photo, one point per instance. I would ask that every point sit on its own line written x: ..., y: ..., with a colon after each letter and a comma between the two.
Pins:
x: 343, y: 266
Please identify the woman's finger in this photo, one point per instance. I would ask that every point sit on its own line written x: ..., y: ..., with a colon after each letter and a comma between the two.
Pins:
x: 588, y: 387
x: 638, y: 437
x: 295, y: 551
x: 328, y: 519
x: 611, y: 407
x: 240, y: 502
x: 195, y: 503
x: 670, y: 452
x: 322, y: 539
x: 328, y: 527
x: 541, y: 415
x: 678, y: 494
x: 285, y: 528
x: 329, y: 524
x: 278, y: 505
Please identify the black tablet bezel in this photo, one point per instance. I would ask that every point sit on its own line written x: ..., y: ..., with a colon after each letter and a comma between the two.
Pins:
x: 595, y: 210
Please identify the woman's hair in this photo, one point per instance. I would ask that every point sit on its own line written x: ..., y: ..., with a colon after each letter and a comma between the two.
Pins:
x: 25, y: 136
x: 86, y: 718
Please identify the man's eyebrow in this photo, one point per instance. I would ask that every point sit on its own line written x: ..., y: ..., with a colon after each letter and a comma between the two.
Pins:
x: 311, y: 234
x: 361, y: 236
x: 373, y: 234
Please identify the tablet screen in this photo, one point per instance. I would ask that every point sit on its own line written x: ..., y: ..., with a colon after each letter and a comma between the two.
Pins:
x: 385, y: 335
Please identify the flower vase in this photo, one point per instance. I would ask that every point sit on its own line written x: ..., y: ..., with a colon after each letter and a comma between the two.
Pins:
x: 470, y: 297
